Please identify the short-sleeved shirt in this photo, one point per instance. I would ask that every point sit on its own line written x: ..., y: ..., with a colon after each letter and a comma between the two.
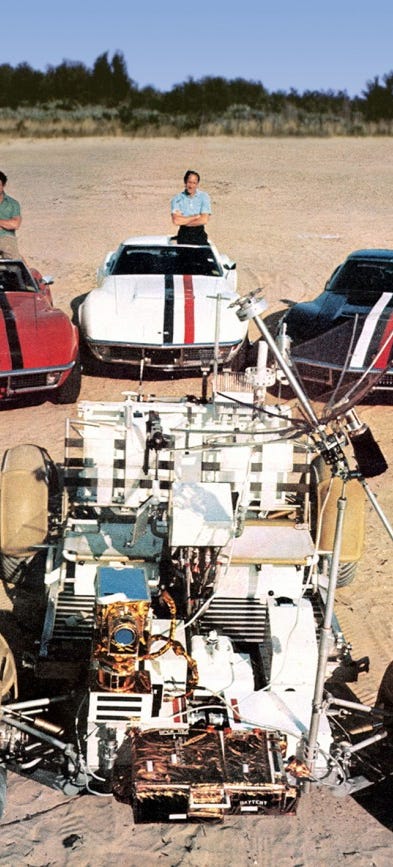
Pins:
x: 191, y: 206
x: 9, y: 208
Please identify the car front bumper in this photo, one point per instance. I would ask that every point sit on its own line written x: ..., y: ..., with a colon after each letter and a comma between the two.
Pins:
x: 26, y: 381
x: 163, y: 358
x: 329, y: 375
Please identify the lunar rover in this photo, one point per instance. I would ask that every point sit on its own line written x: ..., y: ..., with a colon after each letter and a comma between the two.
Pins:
x: 187, y: 553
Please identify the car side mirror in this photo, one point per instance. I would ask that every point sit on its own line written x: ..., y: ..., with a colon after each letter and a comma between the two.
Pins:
x: 48, y: 280
x: 108, y: 261
x: 229, y: 266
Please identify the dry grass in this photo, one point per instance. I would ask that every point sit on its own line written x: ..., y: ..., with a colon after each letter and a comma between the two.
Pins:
x: 52, y: 121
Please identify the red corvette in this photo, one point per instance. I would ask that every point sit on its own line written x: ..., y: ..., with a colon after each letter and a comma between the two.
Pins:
x: 39, y: 348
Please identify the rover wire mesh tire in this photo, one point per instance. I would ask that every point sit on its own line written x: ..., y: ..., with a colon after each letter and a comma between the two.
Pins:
x: 3, y: 788
x: 8, y: 673
x: 12, y: 569
x: 346, y: 574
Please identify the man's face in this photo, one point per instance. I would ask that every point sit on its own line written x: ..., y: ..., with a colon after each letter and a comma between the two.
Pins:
x: 191, y: 184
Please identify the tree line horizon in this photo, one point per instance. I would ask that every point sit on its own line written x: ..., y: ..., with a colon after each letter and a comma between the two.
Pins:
x: 107, y: 83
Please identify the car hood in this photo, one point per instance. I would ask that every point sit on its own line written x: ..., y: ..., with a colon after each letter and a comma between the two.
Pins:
x: 310, y: 318
x: 358, y: 352
x: 157, y: 310
x: 33, y: 334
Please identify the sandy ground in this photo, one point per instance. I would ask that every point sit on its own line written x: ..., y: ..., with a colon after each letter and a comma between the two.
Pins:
x: 288, y: 211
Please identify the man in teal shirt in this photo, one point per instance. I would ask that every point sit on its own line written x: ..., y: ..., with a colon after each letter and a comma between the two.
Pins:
x: 10, y: 220
x: 190, y: 211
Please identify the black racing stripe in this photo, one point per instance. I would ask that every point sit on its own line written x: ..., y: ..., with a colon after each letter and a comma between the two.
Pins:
x: 169, y: 308
x: 12, y: 333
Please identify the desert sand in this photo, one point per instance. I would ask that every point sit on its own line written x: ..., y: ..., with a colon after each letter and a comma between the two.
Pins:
x: 288, y: 211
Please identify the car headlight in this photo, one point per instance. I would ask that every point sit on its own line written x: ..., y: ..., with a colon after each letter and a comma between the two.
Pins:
x: 101, y: 349
x: 52, y: 378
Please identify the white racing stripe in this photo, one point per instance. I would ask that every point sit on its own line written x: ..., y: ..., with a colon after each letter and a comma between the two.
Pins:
x: 360, y: 351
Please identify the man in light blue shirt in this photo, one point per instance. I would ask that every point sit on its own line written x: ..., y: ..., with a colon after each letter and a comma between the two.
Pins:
x: 190, y: 211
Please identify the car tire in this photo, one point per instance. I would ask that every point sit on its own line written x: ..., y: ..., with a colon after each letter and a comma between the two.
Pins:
x: 385, y: 691
x: 241, y: 359
x: 89, y: 364
x: 272, y: 321
x: 69, y: 391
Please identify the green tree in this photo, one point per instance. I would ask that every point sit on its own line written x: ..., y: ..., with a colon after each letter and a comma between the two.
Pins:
x: 121, y: 83
x: 101, y: 82
x: 68, y: 82
x: 378, y: 98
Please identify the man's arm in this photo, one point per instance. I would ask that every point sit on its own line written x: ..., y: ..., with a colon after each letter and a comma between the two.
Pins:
x: 11, y: 224
x: 196, y: 220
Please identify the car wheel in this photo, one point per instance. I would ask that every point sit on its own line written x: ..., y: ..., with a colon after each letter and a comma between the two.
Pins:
x: 385, y: 691
x: 69, y: 391
x: 241, y: 359
x: 90, y: 365
x: 272, y: 321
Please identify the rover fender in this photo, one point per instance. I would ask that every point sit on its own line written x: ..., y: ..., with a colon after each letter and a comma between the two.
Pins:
x: 325, y: 492
x: 23, y: 507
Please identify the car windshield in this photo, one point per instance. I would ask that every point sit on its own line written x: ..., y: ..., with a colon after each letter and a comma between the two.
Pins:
x: 167, y: 260
x: 363, y: 282
x: 14, y: 277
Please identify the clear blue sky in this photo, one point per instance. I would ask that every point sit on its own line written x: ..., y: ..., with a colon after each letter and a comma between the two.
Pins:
x: 321, y: 45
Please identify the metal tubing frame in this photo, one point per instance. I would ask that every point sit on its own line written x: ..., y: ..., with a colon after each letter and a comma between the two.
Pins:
x: 250, y: 308
x: 311, y: 745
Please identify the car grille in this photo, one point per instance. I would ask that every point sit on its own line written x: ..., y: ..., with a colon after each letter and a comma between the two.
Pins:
x: 26, y: 382
x: 386, y: 382
x: 329, y: 376
x: 160, y: 357
x: 315, y: 373
x: 163, y: 358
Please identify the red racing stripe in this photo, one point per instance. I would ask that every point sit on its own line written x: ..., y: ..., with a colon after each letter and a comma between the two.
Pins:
x: 189, y: 311
x: 382, y: 360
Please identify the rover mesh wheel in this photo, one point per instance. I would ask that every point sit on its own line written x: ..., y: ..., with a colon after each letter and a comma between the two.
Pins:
x: 3, y: 789
x: 346, y: 574
x: 12, y: 569
x: 8, y: 675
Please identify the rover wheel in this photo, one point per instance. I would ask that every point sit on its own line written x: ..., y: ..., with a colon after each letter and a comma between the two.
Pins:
x: 12, y: 569
x: 346, y: 573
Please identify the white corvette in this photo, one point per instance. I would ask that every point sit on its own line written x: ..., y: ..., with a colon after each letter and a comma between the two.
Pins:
x: 163, y: 304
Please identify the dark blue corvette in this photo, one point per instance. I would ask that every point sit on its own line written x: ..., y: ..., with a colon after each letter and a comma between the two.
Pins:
x: 348, y: 329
